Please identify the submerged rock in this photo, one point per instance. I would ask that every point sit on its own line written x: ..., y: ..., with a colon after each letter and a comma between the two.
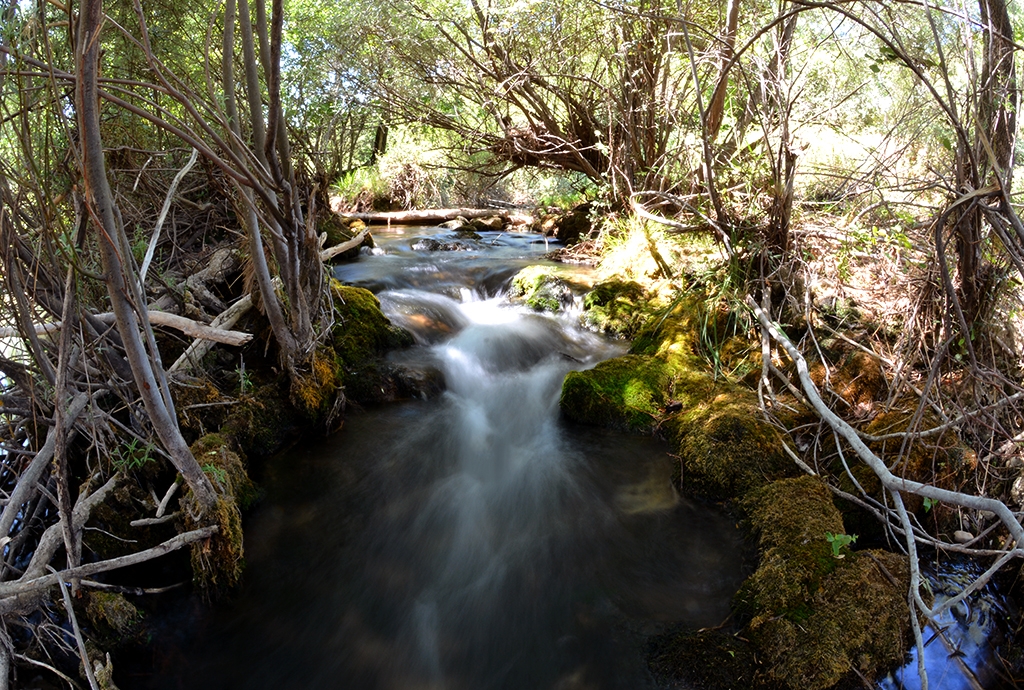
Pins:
x: 431, y: 245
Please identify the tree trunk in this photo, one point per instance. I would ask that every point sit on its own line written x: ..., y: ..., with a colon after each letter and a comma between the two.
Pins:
x: 716, y: 110
x: 100, y: 202
x: 995, y: 126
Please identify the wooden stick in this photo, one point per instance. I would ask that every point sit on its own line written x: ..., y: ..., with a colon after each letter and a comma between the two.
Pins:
x: 160, y: 318
x: 10, y: 589
x: 331, y: 252
x: 198, y: 349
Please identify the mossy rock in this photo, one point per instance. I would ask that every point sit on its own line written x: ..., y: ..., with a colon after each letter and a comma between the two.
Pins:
x: 627, y: 392
x: 263, y: 421
x: 813, y: 616
x: 726, y: 447
x: 858, y: 619
x: 615, y: 307
x: 673, y: 334
x: 541, y: 289
x: 791, y: 518
x: 218, y: 560
x: 361, y: 331
x: 708, y: 659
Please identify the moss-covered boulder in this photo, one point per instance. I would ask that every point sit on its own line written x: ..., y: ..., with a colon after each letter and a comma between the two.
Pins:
x: 725, y: 445
x: 816, y: 615
x: 615, y: 307
x: 361, y: 331
x: 362, y: 335
x: 628, y: 392
x: 541, y: 289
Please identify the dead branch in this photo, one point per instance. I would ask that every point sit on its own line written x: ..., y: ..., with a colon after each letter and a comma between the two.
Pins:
x: 331, y: 252
x: 12, y: 589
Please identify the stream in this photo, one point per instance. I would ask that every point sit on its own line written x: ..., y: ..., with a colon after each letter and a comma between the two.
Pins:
x: 470, y: 541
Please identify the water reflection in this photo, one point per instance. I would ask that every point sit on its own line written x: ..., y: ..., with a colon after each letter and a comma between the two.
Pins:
x: 962, y: 645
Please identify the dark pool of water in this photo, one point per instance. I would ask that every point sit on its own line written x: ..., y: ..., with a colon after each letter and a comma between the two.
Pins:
x: 363, y: 573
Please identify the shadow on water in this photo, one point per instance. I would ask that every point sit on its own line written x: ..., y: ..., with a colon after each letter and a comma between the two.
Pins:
x: 468, y: 542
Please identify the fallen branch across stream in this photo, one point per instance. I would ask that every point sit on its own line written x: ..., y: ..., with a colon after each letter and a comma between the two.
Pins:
x: 435, y: 215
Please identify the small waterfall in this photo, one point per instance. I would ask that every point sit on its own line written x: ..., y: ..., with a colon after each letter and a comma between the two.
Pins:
x: 472, y: 541
x: 506, y: 496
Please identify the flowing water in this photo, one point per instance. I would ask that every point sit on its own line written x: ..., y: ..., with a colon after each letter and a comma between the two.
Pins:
x: 471, y: 541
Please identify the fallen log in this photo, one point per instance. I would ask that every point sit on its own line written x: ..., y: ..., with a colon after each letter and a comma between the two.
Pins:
x: 436, y: 215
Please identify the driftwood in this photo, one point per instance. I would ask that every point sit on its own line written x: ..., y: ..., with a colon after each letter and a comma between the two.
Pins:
x: 159, y: 318
x: 437, y: 215
x: 331, y: 252
x: 198, y: 349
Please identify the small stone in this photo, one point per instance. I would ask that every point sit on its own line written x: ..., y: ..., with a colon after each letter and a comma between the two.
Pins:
x: 1015, y: 462
x: 962, y: 537
x: 1017, y: 490
x: 985, y: 515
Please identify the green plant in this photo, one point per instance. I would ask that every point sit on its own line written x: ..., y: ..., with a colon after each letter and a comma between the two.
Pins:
x: 840, y: 542
x: 245, y: 378
x: 132, y: 455
x: 929, y: 503
x: 218, y: 473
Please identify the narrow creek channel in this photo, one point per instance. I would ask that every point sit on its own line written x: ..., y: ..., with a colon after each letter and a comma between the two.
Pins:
x: 469, y: 541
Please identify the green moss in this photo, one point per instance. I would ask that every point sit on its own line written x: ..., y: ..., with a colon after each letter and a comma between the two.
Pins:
x: 218, y: 560
x: 813, y: 616
x: 626, y: 392
x: 541, y: 289
x: 264, y: 421
x: 709, y: 659
x: 361, y: 331
x: 672, y: 334
x: 615, y: 307
x: 726, y: 447
x: 113, y: 611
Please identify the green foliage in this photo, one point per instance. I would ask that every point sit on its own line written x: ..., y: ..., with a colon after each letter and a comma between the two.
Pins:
x: 839, y: 542
x: 132, y: 455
